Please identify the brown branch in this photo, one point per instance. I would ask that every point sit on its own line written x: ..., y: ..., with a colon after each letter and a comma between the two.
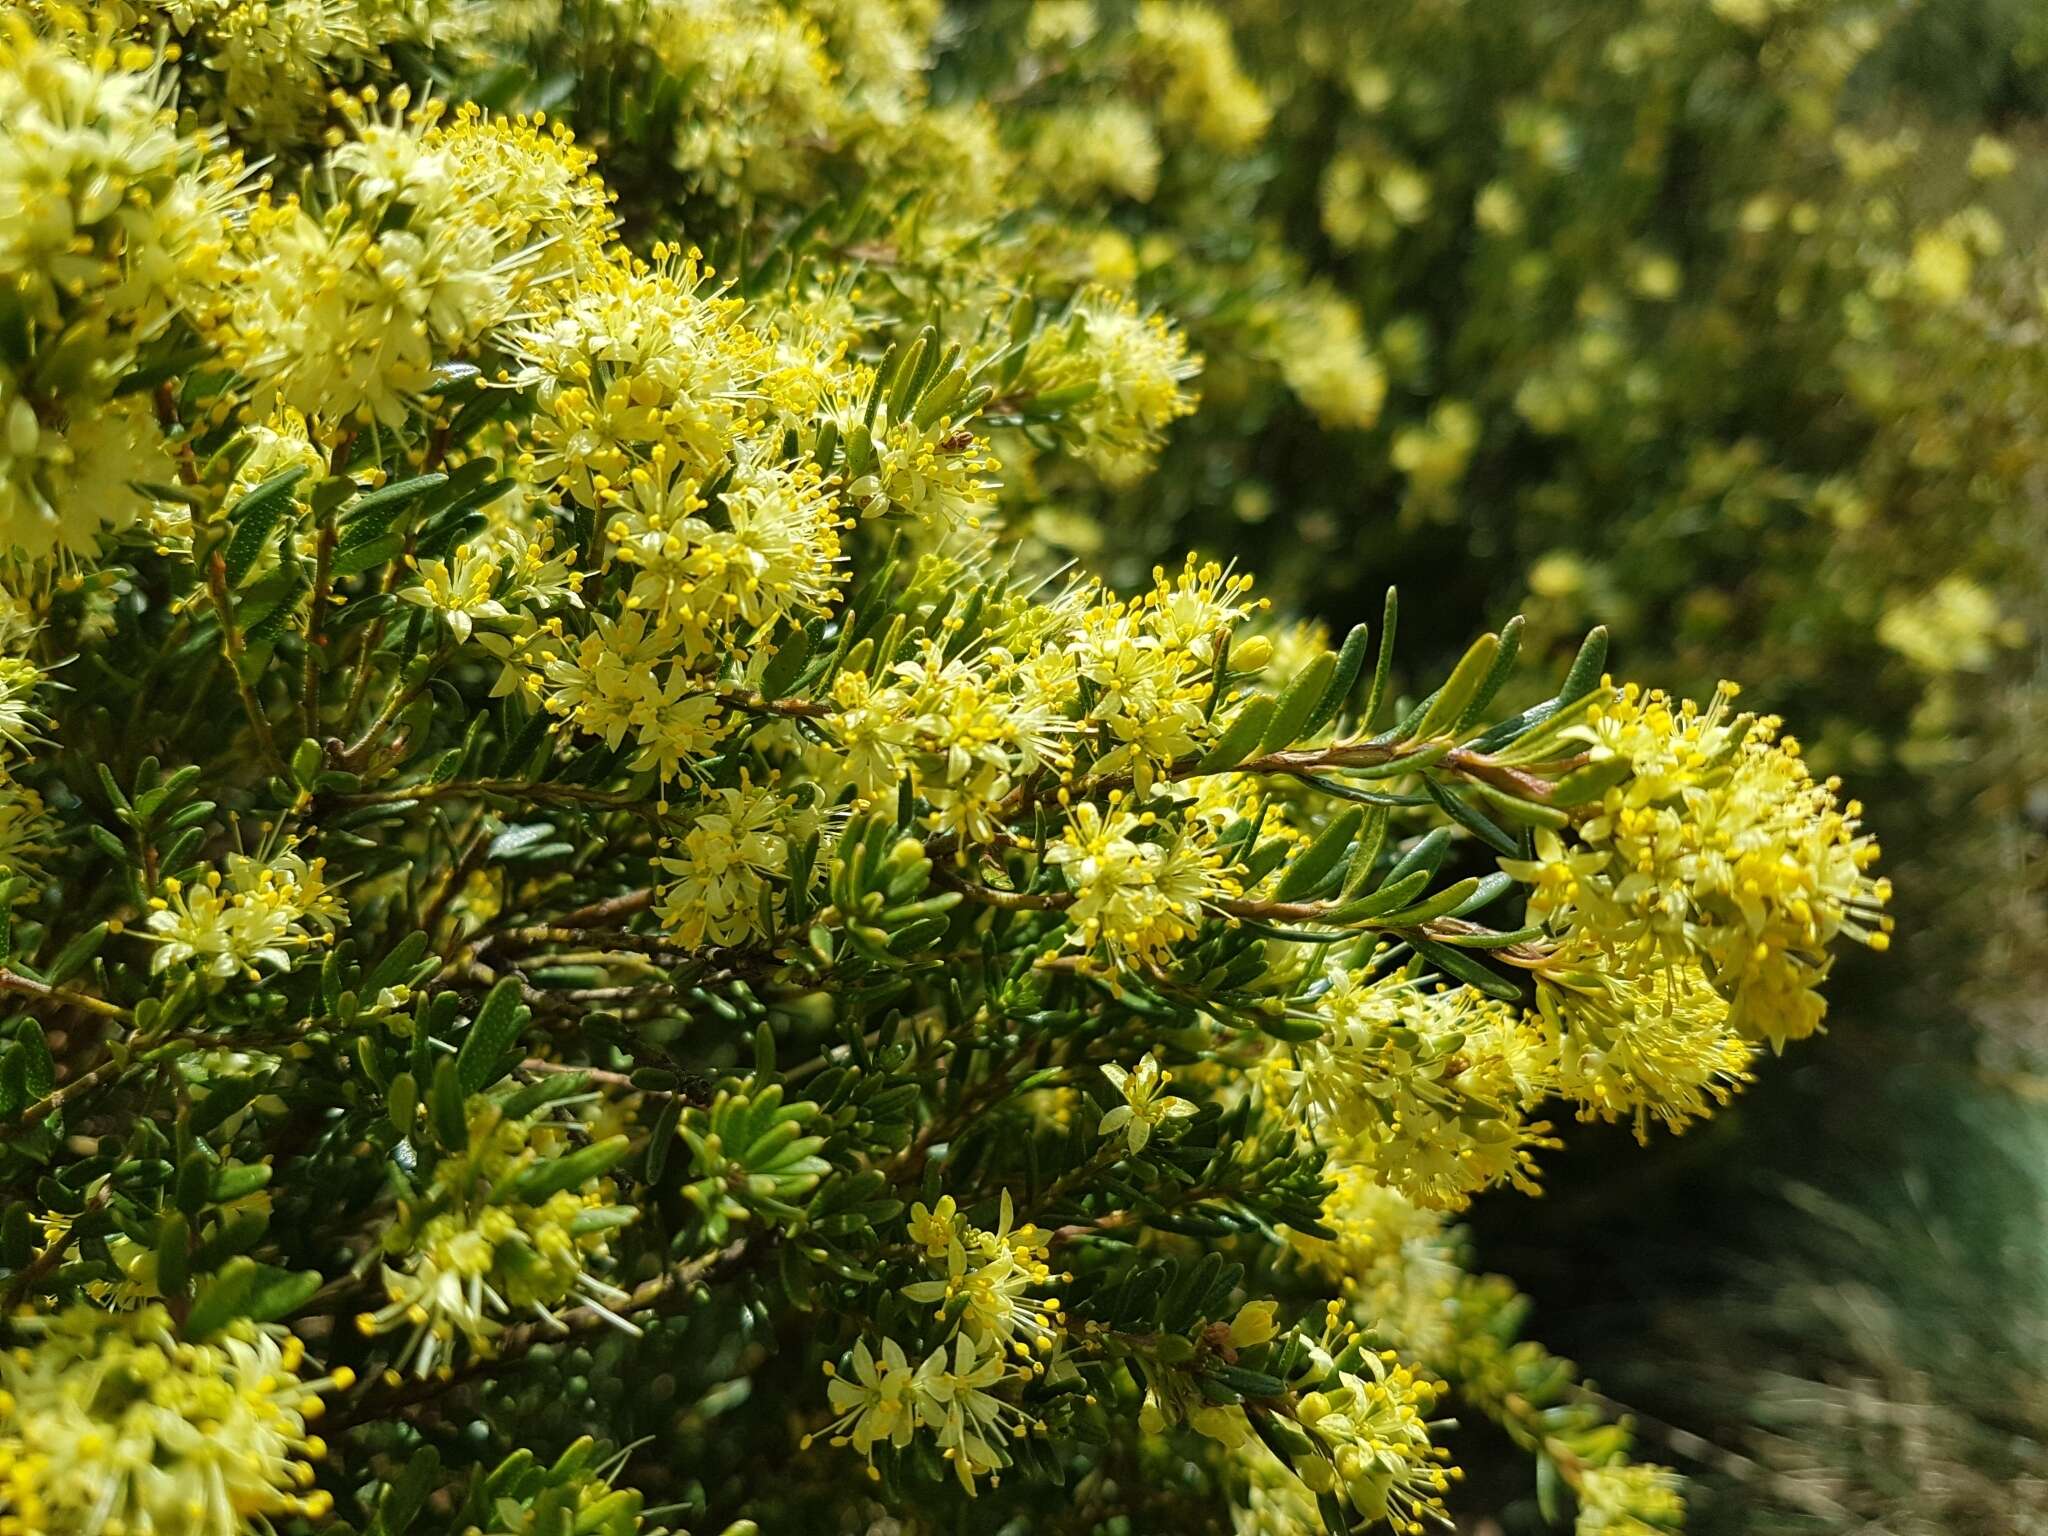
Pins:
x: 598, y: 913
x: 1442, y: 928
x: 1518, y: 782
x: 323, y: 585
x: 518, y: 789
x: 611, y: 1080
x: 28, y: 986
x: 755, y: 703
x: 106, y: 1071
x: 353, y: 754
x: 231, y: 642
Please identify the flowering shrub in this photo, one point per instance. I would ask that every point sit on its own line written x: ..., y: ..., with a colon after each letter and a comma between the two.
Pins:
x: 560, y: 862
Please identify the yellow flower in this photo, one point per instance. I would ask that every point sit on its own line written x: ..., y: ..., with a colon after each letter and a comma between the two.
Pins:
x: 936, y: 1229
x: 1254, y: 1324
x: 109, y: 1421
x: 1134, y: 897
x: 1656, y: 1046
x: 1954, y: 627
x: 263, y: 912
x: 1081, y: 153
x: 1130, y: 368
x: 1205, y: 90
x: 1146, y: 1105
x: 1434, y: 1087
x: 969, y: 1422
x: 1375, y: 1430
x: 1712, y: 845
x: 1629, y: 1499
x: 473, y: 1248
x: 878, y: 1406
x: 723, y: 869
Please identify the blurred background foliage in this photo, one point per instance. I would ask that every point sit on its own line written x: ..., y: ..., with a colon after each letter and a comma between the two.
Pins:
x: 1718, y: 322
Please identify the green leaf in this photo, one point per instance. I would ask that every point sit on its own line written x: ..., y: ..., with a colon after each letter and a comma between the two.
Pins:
x: 399, y: 964
x: 445, y: 1106
x: 243, y: 1288
x: 516, y: 840
x: 38, y: 1069
x: 1444, y: 902
x: 1489, y: 890
x: 194, y: 1182
x: 240, y: 1181
x: 1475, y: 822
x: 1456, y: 963
x: 1586, y: 668
x: 371, y: 552
x: 1383, y: 667
x: 77, y: 955
x: 1461, y: 688
x: 1350, y: 662
x: 1367, y: 853
x: 18, y: 1236
x: 1299, y: 703
x: 1591, y: 782
x: 786, y: 665
x: 1427, y: 855
x: 662, y: 1140
x: 251, y: 534
x: 1553, y: 1499
x: 573, y: 1171
x: 386, y: 500
x: 407, y: 1495
x: 1319, y: 860
x: 269, y: 495
x: 497, y: 1025
x: 402, y: 1102
x: 1236, y: 743
x: 1248, y: 1382
x: 223, y: 1298
x: 173, y: 1254
x: 1496, y: 675
x: 544, y: 1090
x: 1387, y: 898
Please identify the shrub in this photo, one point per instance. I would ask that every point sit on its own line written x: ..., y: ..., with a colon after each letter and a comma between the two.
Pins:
x: 559, y: 863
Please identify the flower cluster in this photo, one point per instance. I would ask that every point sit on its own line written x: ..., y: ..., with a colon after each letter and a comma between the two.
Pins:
x: 724, y: 868
x: 890, y: 1401
x: 1134, y: 899
x: 513, y: 1222
x: 987, y: 1275
x: 1715, y: 849
x: 340, y: 308
x: 1375, y: 1429
x: 111, y: 218
x: 263, y: 912
x: 1433, y: 1086
x: 1122, y: 374
x: 108, y: 1421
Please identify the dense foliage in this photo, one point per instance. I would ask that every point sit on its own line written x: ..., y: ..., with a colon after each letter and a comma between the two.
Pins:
x: 570, y: 858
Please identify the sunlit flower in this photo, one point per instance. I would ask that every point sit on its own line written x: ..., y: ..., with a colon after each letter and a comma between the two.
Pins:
x: 721, y: 891
x: 109, y: 1422
x: 1146, y: 1106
